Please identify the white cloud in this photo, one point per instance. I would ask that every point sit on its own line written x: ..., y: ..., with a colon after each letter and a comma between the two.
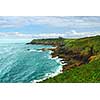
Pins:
x: 48, y: 35
x: 15, y: 35
x: 74, y: 34
x: 54, y: 21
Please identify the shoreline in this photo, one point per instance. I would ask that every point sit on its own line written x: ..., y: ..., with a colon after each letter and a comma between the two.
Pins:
x: 53, y: 55
x: 75, y: 54
x: 70, y: 58
x: 57, y: 72
x: 63, y: 60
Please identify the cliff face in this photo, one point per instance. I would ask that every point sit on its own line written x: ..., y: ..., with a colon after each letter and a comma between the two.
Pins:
x: 73, y: 51
x: 76, y: 52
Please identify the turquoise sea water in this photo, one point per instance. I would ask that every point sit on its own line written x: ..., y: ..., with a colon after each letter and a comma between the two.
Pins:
x: 18, y: 64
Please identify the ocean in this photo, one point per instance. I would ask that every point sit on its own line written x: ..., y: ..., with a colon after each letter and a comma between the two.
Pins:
x: 21, y: 63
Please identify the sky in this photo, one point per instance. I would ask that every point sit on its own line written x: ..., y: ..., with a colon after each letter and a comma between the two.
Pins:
x: 25, y: 27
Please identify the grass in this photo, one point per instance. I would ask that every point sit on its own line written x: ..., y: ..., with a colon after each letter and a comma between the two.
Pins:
x: 86, y: 73
x: 84, y: 44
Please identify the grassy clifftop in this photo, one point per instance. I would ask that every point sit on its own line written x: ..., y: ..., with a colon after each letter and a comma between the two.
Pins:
x: 53, y: 41
x: 82, y: 57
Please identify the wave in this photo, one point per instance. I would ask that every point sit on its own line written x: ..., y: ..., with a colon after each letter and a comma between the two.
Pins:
x: 49, y: 75
x: 52, y: 74
x: 34, y: 50
x: 16, y: 59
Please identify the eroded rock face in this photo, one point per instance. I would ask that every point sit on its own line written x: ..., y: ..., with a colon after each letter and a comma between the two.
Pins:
x: 73, y: 58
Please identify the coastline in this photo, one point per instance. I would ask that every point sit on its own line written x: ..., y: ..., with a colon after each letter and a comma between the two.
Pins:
x: 57, y: 72
x: 63, y: 60
x: 76, y: 56
x: 52, y: 55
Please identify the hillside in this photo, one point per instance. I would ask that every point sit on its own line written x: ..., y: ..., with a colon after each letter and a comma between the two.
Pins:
x: 82, y: 57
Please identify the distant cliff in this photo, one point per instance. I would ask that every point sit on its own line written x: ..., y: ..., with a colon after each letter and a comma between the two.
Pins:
x: 53, y: 41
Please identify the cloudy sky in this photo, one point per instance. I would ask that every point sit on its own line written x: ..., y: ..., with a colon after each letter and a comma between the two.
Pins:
x: 48, y: 26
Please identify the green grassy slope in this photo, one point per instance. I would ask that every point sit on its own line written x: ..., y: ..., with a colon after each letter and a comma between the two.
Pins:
x: 84, y: 44
x: 86, y: 73
x: 89, y: 72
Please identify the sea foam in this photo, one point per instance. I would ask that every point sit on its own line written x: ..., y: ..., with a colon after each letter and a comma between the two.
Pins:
x: 52, y: 74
